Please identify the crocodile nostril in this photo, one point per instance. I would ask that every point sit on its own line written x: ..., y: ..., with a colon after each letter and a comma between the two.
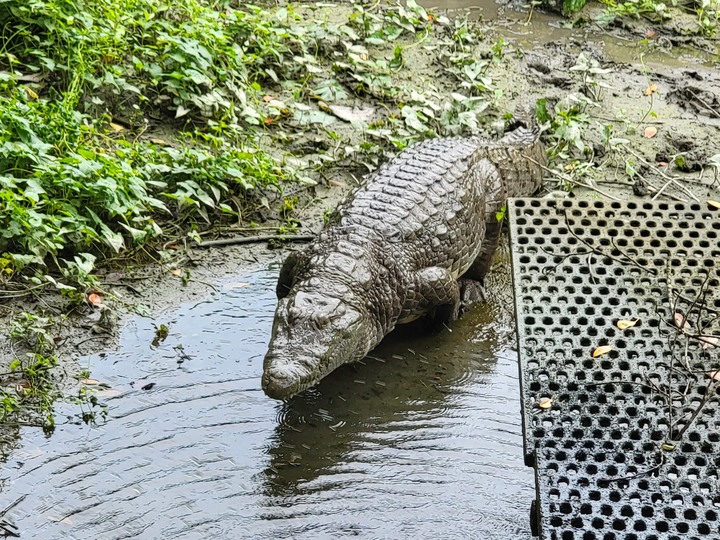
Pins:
x: 321, y: 320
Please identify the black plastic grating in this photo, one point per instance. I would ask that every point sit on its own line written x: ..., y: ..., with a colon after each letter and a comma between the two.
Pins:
x: 630, y: 445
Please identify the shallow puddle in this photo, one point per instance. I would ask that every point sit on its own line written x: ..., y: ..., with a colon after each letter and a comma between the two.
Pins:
x: 424, y: 440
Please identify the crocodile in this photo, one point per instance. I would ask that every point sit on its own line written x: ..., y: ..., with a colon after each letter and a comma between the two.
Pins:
x: 415, y: 240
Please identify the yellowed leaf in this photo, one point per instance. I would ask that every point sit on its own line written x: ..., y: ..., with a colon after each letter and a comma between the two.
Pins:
x: 651, y: 89
x: 624, y: 324
x: 603, y: 349
x: 116, y: 127
x: 714, y: 205
x: 30, y: 92
x: 668, y: 447
x: 650, y: 132
x: 158, y: 140
x: 545, y: 403
x: 90, y: 382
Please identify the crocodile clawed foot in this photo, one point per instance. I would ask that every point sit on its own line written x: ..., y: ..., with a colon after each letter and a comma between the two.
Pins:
x: 471, y: 292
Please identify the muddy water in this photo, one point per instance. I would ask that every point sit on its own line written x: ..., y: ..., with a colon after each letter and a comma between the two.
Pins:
x: 540, y: 29
x: 423, y: 441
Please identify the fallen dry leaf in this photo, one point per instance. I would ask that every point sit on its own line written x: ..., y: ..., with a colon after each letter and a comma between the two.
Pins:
x: 681, y: 322
x: 158, y: 140
x: 90, y: 382
x: 603, y: 349
x: 177, y: 272
x: 714, y: 205
x: 650, y: 89
x: 268, y: 99
x: 624, y: 324
x: 650, y: 132
x: 668, y: 447
x: 715, y: 375
x: 116, y: 127
x: 95, y: 299
x: 650, y: 34
x: 237, y: 285
x: 350, y: 114
x: 709, y: 341
x: 545, y: 403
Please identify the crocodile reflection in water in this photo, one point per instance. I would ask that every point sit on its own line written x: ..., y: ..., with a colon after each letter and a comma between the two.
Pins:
x: 318, y: 429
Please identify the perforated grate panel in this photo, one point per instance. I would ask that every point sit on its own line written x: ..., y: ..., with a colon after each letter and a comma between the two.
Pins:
x: 626, y: 445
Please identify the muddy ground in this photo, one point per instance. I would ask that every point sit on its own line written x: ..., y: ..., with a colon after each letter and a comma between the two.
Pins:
x: 536, y: 63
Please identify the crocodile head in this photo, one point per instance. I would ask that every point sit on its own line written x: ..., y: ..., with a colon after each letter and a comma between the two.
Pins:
x: 315, y: 331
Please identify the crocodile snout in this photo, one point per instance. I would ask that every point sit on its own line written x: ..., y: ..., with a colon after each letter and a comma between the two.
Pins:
x: 279, y: 384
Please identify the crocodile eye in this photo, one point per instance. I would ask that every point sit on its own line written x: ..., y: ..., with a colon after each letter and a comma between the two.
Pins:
x: 294, y: 314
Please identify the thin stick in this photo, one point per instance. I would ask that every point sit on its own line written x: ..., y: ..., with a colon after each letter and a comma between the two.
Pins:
x: 666, y: 176
x: 569, y: 179
x: 708, y: 107
x: 256, y: 239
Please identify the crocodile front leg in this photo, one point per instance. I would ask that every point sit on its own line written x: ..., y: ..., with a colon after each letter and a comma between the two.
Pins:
x: 435, y: 294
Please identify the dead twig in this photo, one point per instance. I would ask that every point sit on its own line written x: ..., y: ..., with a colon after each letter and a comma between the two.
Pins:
x: 702, y: 101
x: 567, y: 178
x: 256, y: 239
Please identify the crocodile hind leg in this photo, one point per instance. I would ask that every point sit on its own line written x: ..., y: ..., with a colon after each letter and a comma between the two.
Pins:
x: 472, y: 282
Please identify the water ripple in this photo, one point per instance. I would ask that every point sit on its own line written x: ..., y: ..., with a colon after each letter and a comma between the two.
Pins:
x: 421, y: 440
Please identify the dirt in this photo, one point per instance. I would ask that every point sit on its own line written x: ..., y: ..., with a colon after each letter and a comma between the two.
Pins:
x: 536, y: 63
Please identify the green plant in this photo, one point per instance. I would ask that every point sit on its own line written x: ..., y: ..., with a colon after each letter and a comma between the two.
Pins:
x: 652, y: 9
x: 28, y: 392
x: 589, y: 69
